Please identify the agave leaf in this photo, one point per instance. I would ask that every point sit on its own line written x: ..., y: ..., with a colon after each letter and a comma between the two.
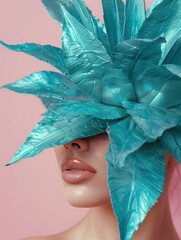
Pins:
x: 132, y: 55
x: 126, y: 137
x: 171, y: 140
x: 92, y: 24
x: 81, y: 13
x: 46, y: 53
x: 76, y: 8
x: 48, y: 133
x: 160, y: 86
x: 161, y: 21
x: 116, y: 87
x: 48, y: 101
x: 168, y: 46
x: 54, y: 9
x: 84, y: 41
x: 101, y: 34
x: 165, y: 23
x: 173, y: 57
x: 136, y: 186
x: 153, y: 5
x: 90, y: 67
x: 134, y: 18
x: 153, y: 120
x: 84, y: 14
x: 114, y: 20
x: 88, y: 108
x: 47, y: 84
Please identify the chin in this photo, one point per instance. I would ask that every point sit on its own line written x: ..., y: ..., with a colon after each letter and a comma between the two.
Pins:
x: 83, y: 196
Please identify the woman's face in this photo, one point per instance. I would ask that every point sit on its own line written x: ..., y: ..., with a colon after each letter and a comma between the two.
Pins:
x: 92, y: 191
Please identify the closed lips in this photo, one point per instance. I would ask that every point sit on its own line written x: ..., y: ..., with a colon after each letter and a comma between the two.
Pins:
x: 69, y: 164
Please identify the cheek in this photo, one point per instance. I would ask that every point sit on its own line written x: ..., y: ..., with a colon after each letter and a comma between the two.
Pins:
x: 60, y: 153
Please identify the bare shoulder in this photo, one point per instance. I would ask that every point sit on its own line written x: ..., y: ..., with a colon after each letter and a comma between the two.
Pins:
x: 59, y: 236
x: 73, y: 232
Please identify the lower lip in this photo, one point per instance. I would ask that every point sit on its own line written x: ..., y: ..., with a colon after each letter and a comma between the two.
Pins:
x: 76, y: 176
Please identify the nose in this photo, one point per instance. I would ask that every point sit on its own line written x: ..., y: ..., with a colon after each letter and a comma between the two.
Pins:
x: 79, y: 144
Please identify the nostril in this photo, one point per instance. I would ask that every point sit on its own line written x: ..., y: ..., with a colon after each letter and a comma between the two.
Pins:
x: 76, y: 144
x: 65, y: 146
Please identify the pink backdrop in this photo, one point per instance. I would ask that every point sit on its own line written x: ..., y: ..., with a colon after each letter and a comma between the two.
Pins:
x: 32, y: 200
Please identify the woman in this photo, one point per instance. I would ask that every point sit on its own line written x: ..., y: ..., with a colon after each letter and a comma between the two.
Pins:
x: 115, y: 85
x: 92, y: 192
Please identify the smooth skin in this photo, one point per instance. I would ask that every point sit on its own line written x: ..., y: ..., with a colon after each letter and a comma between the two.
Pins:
x: 100, y: 221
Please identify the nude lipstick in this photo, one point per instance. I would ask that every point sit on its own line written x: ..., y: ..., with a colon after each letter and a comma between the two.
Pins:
x: 76, y: 171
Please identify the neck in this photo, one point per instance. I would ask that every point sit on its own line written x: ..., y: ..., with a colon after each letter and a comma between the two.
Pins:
x: 158, y: 223
x: 101, y: 223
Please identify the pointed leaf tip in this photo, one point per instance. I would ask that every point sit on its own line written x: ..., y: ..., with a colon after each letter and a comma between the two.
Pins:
x: 8, y: 164
x: 2, y: 43
x: 4, y: 86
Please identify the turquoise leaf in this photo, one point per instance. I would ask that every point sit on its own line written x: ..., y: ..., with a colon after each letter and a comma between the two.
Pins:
x: 136, y: 185
x: 89, y: 108
x: 46, y: 53
x: 101, y: 34
x: 159, y: 86
x: 54, y: 9
x: 81, y: 13
x: 92, y: 24
x: 126, y: 137
x: 164, y: 23
x: 134, y: 18
x: 153, y: 5
x: 48, y: 133
x: 90, y: 67
x: 153, y: 120
x: 132, y: 55
x: 47, y: 84
x: 85, y: 15
x: 72, y: 39
x: 173, y: 57
x: 114, y: 20
x: 171, y: 140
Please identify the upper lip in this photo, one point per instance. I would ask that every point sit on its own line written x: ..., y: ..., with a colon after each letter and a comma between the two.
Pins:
x: 74, y: 163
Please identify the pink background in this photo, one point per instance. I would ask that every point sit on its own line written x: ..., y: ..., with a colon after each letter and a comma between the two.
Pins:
x: 32, y: 200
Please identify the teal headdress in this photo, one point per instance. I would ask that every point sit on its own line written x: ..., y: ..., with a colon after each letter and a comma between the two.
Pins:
x: 122, y: 77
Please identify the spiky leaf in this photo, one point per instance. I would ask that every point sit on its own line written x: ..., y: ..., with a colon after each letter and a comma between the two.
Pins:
x: 160, y: 86
x: 135, y: 56
x: 126, y: 137
x: 134, y: 18
x: 165, y: 23
x: 114, y: 20
x: 89, y: 108
x: 153, y: 120
x: 47, y: 84
x: 48, y: 133
x: 90, y: 67
x: 153, y: 5
x: 171, y: 140
x: 46, y: 53
x: 173, y: 56
x: 135, y: 186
